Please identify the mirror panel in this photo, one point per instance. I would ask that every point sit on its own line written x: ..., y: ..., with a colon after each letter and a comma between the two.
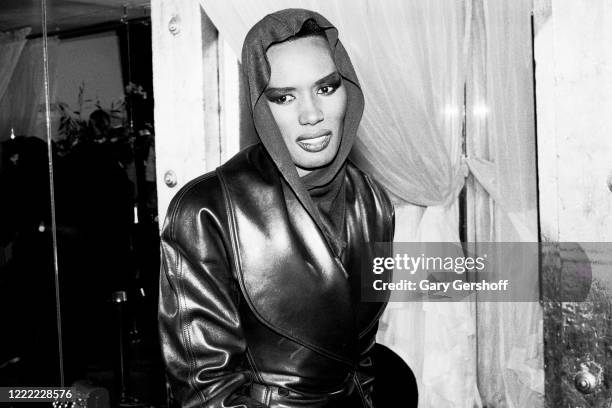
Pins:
x: 30, y: 355
x: 105, y: 198
x: 97, y: 215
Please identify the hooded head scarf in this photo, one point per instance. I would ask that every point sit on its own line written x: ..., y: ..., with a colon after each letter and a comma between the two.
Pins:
x: 322, y: 191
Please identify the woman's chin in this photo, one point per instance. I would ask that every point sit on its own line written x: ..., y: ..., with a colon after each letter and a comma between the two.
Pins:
x: 305, y: 167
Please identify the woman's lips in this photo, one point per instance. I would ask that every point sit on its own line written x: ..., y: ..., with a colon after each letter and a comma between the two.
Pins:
x: 316, y: 142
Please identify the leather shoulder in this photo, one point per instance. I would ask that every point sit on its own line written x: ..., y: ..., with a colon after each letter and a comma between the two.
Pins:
x: 250, y: 170
x: 203, y: 202
x: 200, y: 200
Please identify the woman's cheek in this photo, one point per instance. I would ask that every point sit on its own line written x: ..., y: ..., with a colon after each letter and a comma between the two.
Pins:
x: 285, y: 119
x: 339, y: 100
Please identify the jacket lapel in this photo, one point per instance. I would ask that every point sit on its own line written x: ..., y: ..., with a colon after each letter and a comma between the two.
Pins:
x: 286, y: 270
x: 365, y: 227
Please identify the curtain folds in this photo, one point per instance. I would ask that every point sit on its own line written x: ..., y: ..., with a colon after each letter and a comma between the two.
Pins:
x: 502, y: 158
x: 23, y: 98
x: 413, y: 72
x: 11, y: 46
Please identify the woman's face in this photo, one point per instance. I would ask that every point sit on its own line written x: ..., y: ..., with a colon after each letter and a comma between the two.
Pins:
x: 307, y: 100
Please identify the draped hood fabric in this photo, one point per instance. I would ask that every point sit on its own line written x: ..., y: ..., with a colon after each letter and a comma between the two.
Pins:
x: 322, y: 191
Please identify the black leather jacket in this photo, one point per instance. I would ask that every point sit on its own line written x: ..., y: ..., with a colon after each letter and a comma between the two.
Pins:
x: 255, y: 310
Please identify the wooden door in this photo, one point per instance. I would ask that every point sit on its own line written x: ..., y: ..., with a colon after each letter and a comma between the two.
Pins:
x: 196, y: 84
x: 573, y: 55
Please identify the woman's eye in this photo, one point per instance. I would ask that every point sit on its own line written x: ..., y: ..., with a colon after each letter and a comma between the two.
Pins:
x: 326, y: 90
x: 283, y: 99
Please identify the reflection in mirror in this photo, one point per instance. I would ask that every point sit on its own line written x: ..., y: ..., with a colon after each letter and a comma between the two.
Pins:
x: 30, y: 355
x: 100, y: 125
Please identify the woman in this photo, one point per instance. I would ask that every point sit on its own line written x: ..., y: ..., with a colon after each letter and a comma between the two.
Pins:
x: 262, y: 258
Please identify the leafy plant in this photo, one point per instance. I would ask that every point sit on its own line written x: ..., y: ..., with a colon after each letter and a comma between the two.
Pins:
x: 74, y: 128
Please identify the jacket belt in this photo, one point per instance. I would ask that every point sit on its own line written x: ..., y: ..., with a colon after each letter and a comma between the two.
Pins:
x: 273, y: 396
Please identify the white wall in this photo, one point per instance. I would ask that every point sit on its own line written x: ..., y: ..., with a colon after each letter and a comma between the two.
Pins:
x: 573, y: 53
x: 196, y: 85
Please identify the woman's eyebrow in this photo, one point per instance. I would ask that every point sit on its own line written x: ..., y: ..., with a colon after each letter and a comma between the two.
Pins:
x: 278, y: 91
x: 333, y: 77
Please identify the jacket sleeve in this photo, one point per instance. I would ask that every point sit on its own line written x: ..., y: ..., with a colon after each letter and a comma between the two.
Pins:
x: 201, y: 334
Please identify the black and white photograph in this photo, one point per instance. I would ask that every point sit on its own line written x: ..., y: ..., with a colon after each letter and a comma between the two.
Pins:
x: 306, y: 203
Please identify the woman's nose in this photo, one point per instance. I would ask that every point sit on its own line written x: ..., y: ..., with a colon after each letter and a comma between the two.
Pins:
x: 310, y: 112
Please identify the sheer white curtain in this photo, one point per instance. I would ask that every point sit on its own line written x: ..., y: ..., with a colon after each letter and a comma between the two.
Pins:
x: 501, y: 150
x: 11, y: 45
x: 411, y: 62
x: 410, y: 57
x: 22, y: 100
